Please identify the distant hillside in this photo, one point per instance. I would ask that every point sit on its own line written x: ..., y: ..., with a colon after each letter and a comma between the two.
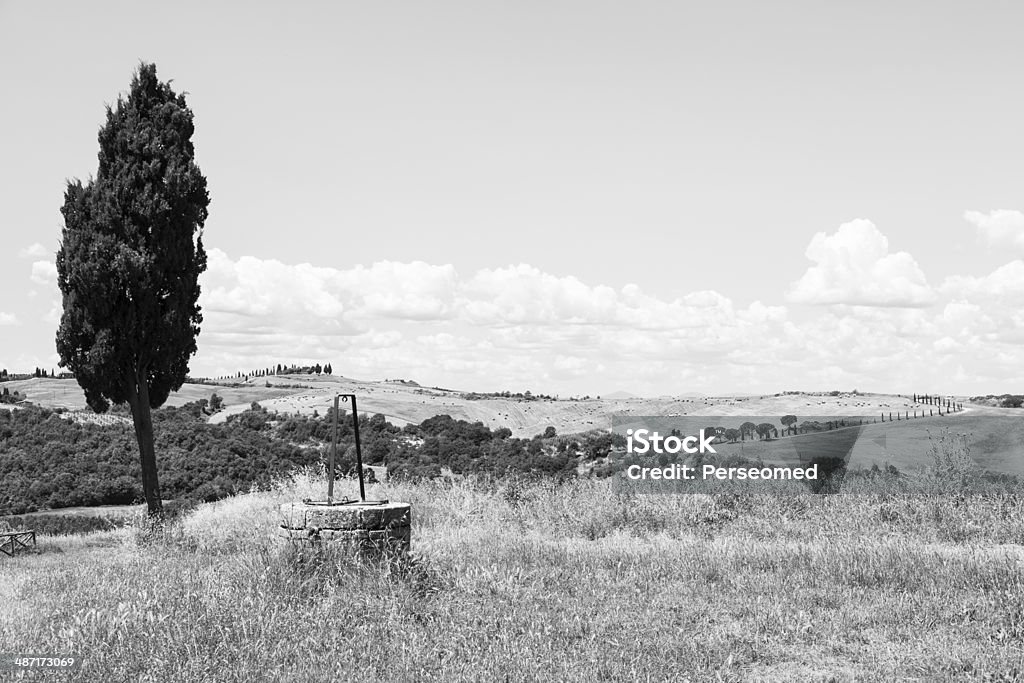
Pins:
x: 406, y: 402
x: 65, y: 393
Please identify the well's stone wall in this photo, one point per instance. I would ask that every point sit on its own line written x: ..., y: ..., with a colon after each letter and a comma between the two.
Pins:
x: 357, y: 527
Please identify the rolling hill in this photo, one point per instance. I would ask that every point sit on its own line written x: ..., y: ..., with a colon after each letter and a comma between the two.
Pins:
x: 407, y: 402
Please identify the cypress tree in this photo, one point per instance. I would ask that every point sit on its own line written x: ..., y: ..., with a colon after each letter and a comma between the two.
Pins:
x: 130, y: 259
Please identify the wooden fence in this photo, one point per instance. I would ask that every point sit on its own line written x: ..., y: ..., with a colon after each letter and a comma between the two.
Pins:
x: 12, y: 542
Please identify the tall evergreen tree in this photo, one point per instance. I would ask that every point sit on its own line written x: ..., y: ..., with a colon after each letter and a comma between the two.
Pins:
x: 129, y: 261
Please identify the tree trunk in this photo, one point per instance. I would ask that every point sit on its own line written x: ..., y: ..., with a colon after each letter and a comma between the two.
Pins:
x: 138, y: 398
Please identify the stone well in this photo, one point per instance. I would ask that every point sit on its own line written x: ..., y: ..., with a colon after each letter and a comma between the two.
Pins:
x: 359, y: 527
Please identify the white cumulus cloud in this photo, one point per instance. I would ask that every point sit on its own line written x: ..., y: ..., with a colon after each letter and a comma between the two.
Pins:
x: 397, y: 319
x: 1002, y: 227
x: 853, y: 266
x: 255, y: 287
x: 44, y: 273
x: 518, y: 327
x: 1004, y: 285
x: 524, y: 295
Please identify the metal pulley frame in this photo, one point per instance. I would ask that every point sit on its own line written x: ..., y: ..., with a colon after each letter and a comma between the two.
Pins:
x: 334, y: 453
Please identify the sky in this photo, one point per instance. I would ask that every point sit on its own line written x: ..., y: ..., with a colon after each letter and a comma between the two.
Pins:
x: 563, y: 197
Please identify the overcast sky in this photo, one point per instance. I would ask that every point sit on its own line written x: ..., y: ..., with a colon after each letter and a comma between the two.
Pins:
x: 565, y: 197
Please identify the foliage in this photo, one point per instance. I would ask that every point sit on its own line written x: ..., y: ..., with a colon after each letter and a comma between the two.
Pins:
x: 507, y: 395
x: 789, y: 421
x: 463, y: 447
x: 766, y: 430
x: 50, y: 462
x: 7, y: 396
x: 130, y: 257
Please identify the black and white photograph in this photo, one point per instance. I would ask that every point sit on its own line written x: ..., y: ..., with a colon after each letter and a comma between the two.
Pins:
x: 512, y: 341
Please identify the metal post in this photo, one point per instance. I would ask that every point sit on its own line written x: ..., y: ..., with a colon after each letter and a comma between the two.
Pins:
x: 334, y: 454
x: 359, y: 451
x: 334, y: 451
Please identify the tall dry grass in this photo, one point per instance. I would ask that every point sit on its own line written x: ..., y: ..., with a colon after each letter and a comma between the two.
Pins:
x: 530, y: 580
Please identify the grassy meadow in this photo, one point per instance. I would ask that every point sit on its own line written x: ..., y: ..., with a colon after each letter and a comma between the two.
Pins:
x: 529, y: 580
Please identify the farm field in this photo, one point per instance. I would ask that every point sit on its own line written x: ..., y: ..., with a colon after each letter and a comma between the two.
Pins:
x: 533, y: 581
x: 404, y: 403
x: 65, y: 393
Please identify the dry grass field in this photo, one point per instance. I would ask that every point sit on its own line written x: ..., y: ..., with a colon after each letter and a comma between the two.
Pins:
x: 532, y: 580
x: 522, y: 580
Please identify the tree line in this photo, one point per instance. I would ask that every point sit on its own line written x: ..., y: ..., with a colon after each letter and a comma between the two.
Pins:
x: 282, y: 369
x: 47, y: 461
x: 8, y: 396
x: 37, y: 373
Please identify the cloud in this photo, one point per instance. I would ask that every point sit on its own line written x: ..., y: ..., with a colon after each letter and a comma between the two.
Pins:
x: 518, y: 327
x: 1004, y: 285
x: 987, y: 308
x: 303, y: 296
x: 522, y: 294
x: 390, y: 319
x: 408, y: 291
x: 1001, y: 227
x: 260, y: 288
x: 759, y: 313
x: 853, y: 266
x: 44, y: 273
x: 34, y: 250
